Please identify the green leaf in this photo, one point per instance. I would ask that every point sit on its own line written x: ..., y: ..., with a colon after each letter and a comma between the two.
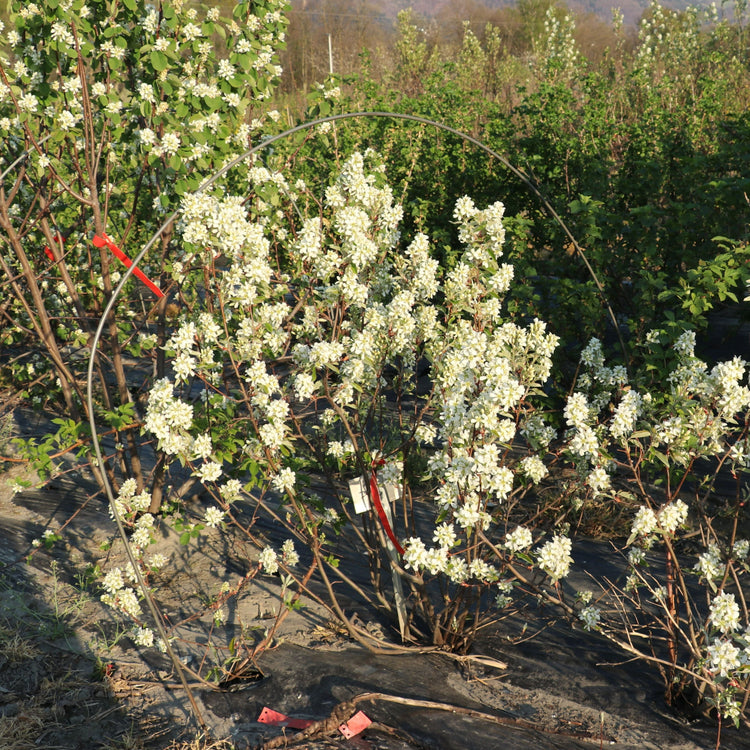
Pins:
x: 159, y: 60
x: 661, y: 457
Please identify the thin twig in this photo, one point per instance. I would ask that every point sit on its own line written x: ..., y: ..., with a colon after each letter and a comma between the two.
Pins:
x: 346, y: 709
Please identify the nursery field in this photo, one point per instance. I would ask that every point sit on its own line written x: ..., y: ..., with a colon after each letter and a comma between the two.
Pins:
x: 405, y: 408
x: 71, y: 679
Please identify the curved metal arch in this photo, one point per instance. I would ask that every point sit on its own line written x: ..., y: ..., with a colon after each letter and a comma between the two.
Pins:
x: 306, y: 126
x: 139, y: 257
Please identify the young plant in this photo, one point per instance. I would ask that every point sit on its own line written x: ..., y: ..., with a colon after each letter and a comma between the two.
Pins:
x: 674, y: 443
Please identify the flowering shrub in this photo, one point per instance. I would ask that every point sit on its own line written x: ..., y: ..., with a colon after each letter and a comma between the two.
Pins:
x: 320, y: 355
x: 668, y: 447
x: 317, y: 367
x: 559, y: 52
x: 108, y: 114
x: 352, y: 357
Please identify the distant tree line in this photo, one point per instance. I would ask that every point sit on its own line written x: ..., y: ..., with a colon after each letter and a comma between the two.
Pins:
x: 362, y: 35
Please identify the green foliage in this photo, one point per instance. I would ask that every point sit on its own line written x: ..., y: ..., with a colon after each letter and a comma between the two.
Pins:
x: 644, y: 162
x: 717, y: 279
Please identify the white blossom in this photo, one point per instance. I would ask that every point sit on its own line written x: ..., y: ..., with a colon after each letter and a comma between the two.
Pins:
x: 213, y: 517
x: 590, y: 616
x: 723, y: 657
x: 533, y: 467
x: 725, y: 613
x: 644, y: 523
x: 554, y: 557
x: 284, y: 481
x: 598, y: 480
x: 519, y: 539
x: 672, y: 516
x: 289, y: 554
x: 268, y: 560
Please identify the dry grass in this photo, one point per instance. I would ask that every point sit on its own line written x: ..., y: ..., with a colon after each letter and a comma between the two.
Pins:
x: 201, y: 743
x: 20, y: 732
x: 14, y: 648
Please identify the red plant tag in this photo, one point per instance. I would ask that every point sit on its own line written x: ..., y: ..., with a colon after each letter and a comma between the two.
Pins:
x: 48, y: 250
x: 375, y: 494
x: 276, y: 719
x: 104, y: 241
x: 358, y: 723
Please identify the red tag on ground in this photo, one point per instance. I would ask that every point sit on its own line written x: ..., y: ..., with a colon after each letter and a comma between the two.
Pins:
x: 358, y: 723
x: 276, y: 719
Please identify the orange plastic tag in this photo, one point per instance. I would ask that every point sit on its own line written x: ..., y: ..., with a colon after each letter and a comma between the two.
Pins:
x: 358, y: 723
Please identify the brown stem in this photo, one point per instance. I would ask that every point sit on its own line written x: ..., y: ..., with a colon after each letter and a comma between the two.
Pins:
x: 37, y: 312
x: 345, y: 710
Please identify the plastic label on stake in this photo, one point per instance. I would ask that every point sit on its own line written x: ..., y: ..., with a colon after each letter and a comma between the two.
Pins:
x: 375, y: 495
x: 358, y: 491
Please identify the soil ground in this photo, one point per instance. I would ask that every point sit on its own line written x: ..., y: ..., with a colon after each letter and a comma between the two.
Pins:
x: 70, y: 678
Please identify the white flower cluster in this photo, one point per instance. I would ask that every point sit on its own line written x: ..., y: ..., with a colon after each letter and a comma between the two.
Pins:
x: 706, y: 406
x: 284, y: 481
x: 142, y: 534
x: 534, y: 468
x: 537, y: 432
x: 482, y: 231
x: 213, y: 517
x: 439, y: 559
x: 222, y: 225
x: 598, y: 480
x: 118, y: 594
x: 724, y: 658
x: 518, y: 540
x: 231, y: 490
x: 129, y: 501
x: 269, y: 558
x: 626, y: 415
x: 263, y: 386
x: 597, y: 379
x: 482, y: 377
x: 666, y: 521
x: 169, y: 419
x: 725, y: 613
x: 579, y: 415
x: 558, y: 44
x: 143, y: 637
x: 590, y: 617
x: 192, y: 346
x: 728, y: 656
x: 554, y: 557
x: 577, y: 412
